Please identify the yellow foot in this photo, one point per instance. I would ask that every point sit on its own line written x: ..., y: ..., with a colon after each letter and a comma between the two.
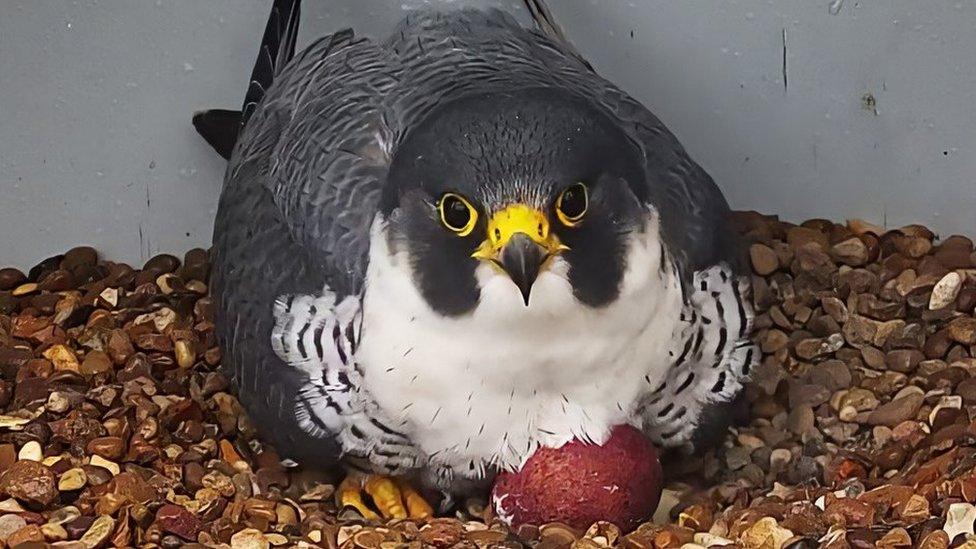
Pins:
x: 393, y: 498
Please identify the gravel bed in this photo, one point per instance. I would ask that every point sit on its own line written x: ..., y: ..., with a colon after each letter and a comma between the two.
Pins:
x: 117, y: 428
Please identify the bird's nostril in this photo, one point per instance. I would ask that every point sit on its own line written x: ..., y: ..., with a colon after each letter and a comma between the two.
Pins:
x: 498, y: 234
x: 540, y: 229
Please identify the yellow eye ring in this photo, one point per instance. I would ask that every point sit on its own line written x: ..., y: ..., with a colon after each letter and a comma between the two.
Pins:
x: 457, y: 214
x: 572, y: 204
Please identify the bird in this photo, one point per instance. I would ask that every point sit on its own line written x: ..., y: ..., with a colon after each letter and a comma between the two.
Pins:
x: 438, y: 251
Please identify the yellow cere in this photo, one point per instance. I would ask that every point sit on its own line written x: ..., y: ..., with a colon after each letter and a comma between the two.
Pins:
x: 517, y: 218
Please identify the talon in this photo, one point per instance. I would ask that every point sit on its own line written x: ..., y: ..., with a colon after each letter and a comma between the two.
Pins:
x: 417, y: 506
x: 386, y: 496
x: 393, y: 498
x: 350, y: 495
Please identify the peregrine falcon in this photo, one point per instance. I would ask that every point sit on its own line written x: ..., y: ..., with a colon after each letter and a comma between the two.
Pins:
x: 436, y: 252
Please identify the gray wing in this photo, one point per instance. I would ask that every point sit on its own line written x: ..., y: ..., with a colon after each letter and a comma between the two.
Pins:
x: 300, y: 192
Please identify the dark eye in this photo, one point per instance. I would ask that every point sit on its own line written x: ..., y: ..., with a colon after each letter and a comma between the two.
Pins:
x: 571, y: 204
x: 457, y: 214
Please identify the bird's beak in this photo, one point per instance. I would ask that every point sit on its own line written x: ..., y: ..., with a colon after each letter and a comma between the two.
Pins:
x: 519, y: 242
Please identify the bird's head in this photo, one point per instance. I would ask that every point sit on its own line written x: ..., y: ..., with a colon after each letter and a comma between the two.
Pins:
x: 520, y: 185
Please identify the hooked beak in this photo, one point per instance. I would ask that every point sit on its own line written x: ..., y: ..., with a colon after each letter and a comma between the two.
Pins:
x: 519, y: 242
x: 522, y: 259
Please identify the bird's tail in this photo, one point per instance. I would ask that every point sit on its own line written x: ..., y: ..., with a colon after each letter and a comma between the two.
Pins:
x: 547, y: 25
x: 220, y: 127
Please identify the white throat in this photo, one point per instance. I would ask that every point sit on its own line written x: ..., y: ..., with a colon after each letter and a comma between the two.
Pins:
x: 489, y: 387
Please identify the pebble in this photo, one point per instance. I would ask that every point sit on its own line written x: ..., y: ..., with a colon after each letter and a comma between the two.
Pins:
x: 945, y: 291
x: 10, y: 278
x: 177, y: 520
x: 963, y: 330
x: 250, y: 538
x: 764, y: 260
x: 801, y: 420
x: 72, y: 479
x: 892, y: 413
x: 10, y: 524
x: 99, y: 532
x: 31, y: 451
x: 25, y: 289
x: 30, y: 482
x: 766, y: 533
x: 110, y: 466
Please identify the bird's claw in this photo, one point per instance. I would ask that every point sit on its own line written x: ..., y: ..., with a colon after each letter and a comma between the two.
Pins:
x: 392, y: 498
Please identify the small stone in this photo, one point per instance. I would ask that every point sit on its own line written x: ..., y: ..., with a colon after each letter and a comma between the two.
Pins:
x: 814, y: 347
x: 847, y: 414
x: 10, y: 524
x: 63, y: 358
x: 949, y: 402
x: 852, y: 252
x: 110, y: 297
x: 764, y: 260
x: 779, y: 459
x: 798, y: 237
x: 64, y: 514
x: 801, y: 420
x: 967, y: 390
x: 904, y: 360
x: 30, y: 482
x: 98, y: 534
x: 945, y: 291
x: 959, y: 520
x: 177, y: 520
x: 249, y: 538
x: 445, y: 533
x: 72, y: 479
x: 935, y: 540
x: 163, y: 263
x: 10, y: 278
x: 185, y: 355
x: 25, y: 536
x: 78, y: 526
x: 98, y: 461
x: 861, y: 400
x: 96, y: 362
x: 112, y: 448
x: 25, y: 289
x: 31, y: 451
x: 963, y: 330
x: 892, y: 413
x: 766, y: 533
x: 54, y: 532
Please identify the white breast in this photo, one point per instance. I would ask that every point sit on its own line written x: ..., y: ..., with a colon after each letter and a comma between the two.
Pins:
x: 489, y: 387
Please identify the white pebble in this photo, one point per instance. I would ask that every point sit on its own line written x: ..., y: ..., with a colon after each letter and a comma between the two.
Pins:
x: 31, y: 451
x: 945, y: 291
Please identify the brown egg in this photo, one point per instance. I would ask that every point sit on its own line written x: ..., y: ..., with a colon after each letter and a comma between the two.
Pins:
x: 581, y: 483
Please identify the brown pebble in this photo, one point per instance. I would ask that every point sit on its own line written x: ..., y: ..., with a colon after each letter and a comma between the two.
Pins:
x: 80, y: 256
x: 764, y: 260
x: 110, y: 447
x: 24, y: 536
x: 892, y: 413
x: 163, y: 263
x: 177, y: 520
x: 30, y: 482
x: 937, y: 539
x: 10, y: 278
x: 963, y: 330
x: 57, y: 281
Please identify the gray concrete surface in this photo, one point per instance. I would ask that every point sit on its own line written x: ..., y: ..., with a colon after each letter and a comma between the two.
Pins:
x: 872, y: 115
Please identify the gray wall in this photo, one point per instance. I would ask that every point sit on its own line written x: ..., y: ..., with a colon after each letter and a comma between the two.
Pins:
x: 96, y: 96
